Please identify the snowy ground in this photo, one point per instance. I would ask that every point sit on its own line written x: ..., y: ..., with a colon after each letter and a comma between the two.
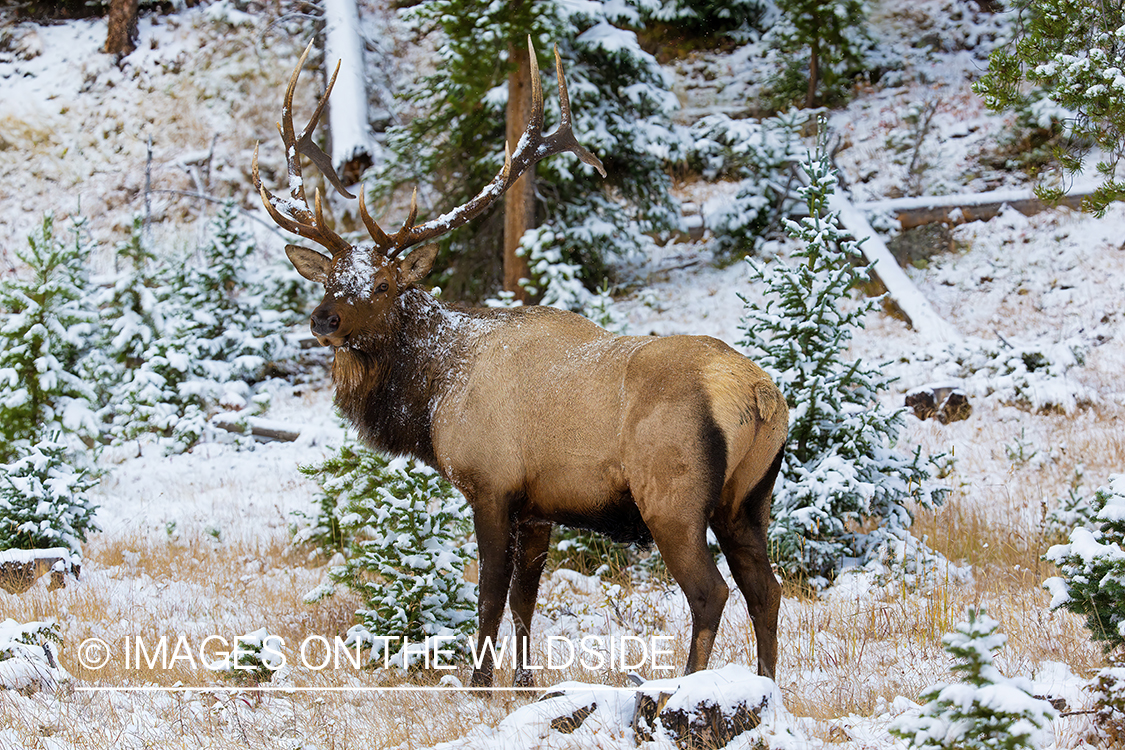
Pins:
x: 198, y: 544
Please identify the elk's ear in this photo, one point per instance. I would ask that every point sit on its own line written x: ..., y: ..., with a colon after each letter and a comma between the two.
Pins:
x: 309, y: 263
x: 414, y: 267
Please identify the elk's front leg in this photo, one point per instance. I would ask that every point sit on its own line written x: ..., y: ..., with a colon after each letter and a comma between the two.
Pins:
x: 494, y: 550
x: 532, y: 542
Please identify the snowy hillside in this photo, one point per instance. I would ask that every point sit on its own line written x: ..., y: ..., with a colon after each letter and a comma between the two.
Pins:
x: 199, y: 544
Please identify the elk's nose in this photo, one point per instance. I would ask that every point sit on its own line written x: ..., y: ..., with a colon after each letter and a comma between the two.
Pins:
x: 324, y: 323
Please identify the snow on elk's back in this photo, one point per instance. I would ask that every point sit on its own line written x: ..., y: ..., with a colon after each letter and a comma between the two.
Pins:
x: 356, y: 276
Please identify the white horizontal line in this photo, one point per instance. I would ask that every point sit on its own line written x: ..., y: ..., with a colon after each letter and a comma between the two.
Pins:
x: 358, y: 689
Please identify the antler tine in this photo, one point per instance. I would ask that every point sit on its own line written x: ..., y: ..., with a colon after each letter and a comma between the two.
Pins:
x: 382, y: 241
x: 535, y: 122
x: 306, y: 146
x: 399, y: 241
x: 532, y: 147
x: 288, y: 136
x: 295, y: 215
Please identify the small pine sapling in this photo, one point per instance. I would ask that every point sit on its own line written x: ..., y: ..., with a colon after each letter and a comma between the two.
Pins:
x: 254, y: 659
x: 843, y: 491
x: 137, y: 396
x: 224, y: 325
x: 29, y: 657
x: 44, y: 501
x: 761, y: 155
x: 210, y: 335
x: 406, y: 532
x: 45, y: 329
x: 827, y: 42
x: 345, y: 477
x: 1109, y: 702
x: 1092, y: 568
x: 986, y: 710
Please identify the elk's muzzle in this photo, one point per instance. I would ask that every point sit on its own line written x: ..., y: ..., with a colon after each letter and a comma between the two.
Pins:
x: 324, y: 321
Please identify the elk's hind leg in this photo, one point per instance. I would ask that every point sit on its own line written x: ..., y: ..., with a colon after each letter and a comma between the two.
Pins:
x: 684, y: 549
x: 745, y: 548
x: 532, y: 542
x: 742, y: 537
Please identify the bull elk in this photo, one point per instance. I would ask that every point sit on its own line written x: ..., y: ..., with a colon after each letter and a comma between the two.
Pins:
x: 540, y: 417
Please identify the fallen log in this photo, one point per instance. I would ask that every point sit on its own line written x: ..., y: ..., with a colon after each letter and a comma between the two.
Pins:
x: 921, y: 315
x: 265, y: 430
x: 21, y: 568
x: 965, y: 207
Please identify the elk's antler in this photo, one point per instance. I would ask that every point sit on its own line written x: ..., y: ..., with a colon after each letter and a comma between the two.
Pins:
x: 294, y: 215
x: 533, y: 146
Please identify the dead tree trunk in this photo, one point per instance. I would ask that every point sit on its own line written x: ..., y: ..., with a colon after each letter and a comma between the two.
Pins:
x: 352, y: 146
x: 917, y: 309
x: 958, y: 209
x: 122, y: 36
x: 519, y: 201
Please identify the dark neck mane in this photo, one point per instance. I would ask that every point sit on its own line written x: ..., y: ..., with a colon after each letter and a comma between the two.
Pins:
x: 388, y: 386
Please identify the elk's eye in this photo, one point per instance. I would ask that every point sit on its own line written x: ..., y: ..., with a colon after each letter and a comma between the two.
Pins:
x: 382, y: 287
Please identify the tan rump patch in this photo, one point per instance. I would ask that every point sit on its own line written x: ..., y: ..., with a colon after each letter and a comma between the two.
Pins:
x: 740, y: 392
x: 742, y: 398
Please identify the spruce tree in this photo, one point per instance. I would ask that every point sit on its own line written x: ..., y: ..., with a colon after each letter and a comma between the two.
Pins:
x: 706, y: 20
x: 761, y: 155
x: 621, y: 108
x: 189, y: 338
x: 44, y: 501
x: 46, y: 325
x: 224, y: 326
x: 405, y: 533
x: 986, y: 710
x: 135, y: 397
x: 827, y: 41
x: 840, y: 476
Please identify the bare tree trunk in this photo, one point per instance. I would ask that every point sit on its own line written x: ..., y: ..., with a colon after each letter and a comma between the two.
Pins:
x: 814, y: 74
x: 519, y: 201
x: 917, y: 309
x: 352, y: 146
x: 122, y: 36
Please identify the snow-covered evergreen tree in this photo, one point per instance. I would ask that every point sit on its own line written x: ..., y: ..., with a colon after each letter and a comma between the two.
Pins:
x: 737, y: 19
x: 406, y: 531
x: 758, y: 153
x: 1109, y: 700
x: 1070, y: 52
x: 986, y: 710
x: 181, y: 340
x: 253, y: 659
x: 1092, y: 567
x: 225, y: 327
x: 43, y: 500
x: 621, y: 105
x: 346, y: 477
x: 827, y: 41
x: 135, y: 397
x: 45, y: 330
x: 29, y: 656
x: 843, y: 491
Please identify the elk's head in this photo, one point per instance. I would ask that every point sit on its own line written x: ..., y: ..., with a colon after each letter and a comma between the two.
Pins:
x: 361, y: 283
